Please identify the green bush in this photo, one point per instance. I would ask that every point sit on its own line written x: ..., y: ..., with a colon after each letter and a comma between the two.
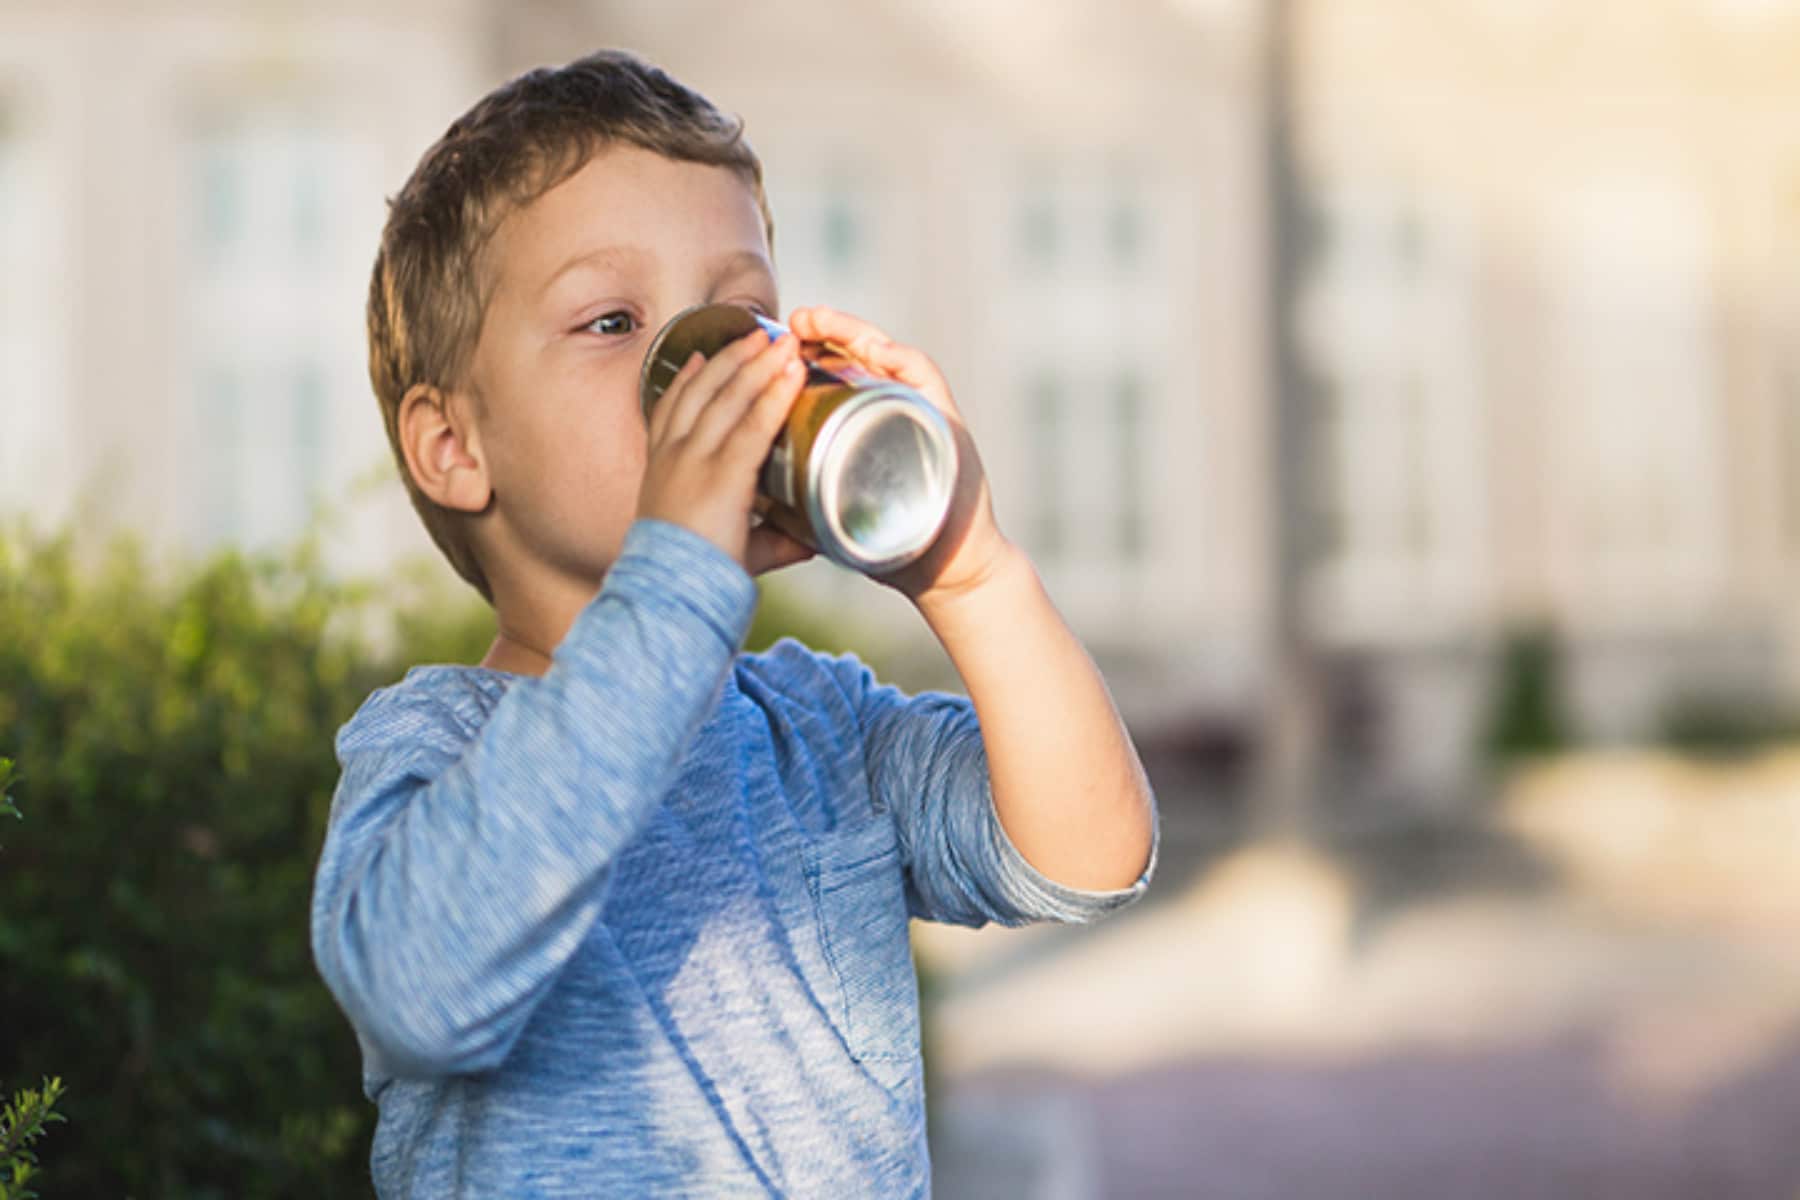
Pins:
x: 1724, y: 726
x: 153, y: 936
x: 1527, y: 714
x: 22, y: 1121
x: 7, y: 807
x: 176, y: 728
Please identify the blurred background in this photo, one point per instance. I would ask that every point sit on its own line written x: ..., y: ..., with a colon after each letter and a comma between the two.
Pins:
x: 1401, y: 400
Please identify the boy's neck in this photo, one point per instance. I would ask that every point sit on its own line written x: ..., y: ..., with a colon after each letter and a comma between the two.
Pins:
x: 514, y: 657
x: 533, y: 621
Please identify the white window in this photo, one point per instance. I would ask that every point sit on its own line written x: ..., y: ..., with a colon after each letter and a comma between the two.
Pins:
x: 828, y: 241
x: 1087, y: 433
x: 36, y: 473
x: 1085, y: 218
x: 1396, y: 467
x: 1637, y: 507
x: 1039, y: 227
x: 274, y: 314
x: 1082, y: 234
x: 1130, y: 450
x: 1785, y: 371
x: 1048, y: 414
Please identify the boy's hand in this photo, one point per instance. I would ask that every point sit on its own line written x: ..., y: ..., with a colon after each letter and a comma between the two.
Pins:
x: 970, y: 548
x: 708, y: 436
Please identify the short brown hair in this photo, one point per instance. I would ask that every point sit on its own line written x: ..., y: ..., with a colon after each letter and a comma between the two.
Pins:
x: 427, y: 298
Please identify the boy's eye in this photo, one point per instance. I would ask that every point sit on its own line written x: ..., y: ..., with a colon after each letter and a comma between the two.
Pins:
x: 613, y: 323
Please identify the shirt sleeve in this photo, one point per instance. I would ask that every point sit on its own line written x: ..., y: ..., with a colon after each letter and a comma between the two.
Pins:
x: 462, y: 866
x: 927, y: 765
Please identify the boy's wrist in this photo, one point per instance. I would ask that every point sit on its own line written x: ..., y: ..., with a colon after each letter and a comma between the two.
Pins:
x: 670, y: 562
x: 1011, y: 578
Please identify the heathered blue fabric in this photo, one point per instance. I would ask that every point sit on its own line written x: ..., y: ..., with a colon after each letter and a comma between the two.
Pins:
x: 639, y: 926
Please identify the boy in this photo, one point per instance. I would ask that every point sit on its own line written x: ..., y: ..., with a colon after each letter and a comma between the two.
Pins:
x: 621, y: 911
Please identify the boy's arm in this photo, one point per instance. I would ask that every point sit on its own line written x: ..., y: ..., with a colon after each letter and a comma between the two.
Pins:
x: 1066, y: 781
x: 451, y: 893
x: 926, y: 765
x: 458, y: 876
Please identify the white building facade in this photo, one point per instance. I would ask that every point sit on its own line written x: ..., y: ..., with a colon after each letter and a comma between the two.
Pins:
x: 1548, y: 318
x: 190, y: 198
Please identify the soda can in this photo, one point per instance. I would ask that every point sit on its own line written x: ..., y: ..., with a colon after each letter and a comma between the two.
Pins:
x: 863, y: 471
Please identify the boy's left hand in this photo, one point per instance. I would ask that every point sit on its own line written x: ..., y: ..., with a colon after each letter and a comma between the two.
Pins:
x: 971, y: 547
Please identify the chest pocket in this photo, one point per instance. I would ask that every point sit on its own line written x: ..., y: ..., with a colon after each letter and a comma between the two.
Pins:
x: 859, y: 898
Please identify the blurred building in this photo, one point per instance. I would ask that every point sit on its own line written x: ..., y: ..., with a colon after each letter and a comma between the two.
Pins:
x: 190, y: 195
x: 1546, y: 318
x: 1549, y: 326
x: 1063, y: 204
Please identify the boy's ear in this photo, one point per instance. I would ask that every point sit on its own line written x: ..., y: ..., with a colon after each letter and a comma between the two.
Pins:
x: 443, y: 448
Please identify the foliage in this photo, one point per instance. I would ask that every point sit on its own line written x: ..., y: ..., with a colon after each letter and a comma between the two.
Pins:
x: 153, y: 934
x: 1710, y: 726
x: 781, y: 613
x: 154, y: 946
x: 1527, y: 716
x: 7, y: 807
x: 22, y: 1122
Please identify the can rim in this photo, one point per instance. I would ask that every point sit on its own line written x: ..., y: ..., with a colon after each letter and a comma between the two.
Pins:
x: 722, y: 336
x: 911, y: 404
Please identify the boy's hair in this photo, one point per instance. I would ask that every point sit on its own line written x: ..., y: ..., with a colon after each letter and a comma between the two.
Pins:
x: 429, y: 290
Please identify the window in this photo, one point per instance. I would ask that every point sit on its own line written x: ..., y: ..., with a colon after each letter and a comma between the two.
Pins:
x: 1125, y: 232
x: 1081, y: 217
x: 1130, y: 448
x: 1786, y: 365
x: 1123, y: 209
x: 1395, y: 470
x: 36, y: 474
x: 828, y: 235
x: 222, y: 401
x: 1637, y: 489
x: 1049, y: 434
x: 1039, y: 225
x: 840, y: 233
x: 1787, y: 400
x: 273, y: 311
x: 221, y: 169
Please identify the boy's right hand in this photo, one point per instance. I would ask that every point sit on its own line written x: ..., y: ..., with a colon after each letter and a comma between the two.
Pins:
x: 708, y: 435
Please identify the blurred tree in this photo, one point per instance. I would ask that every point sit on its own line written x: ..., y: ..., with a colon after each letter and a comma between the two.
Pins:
x: 1722, y: 726
x: 1526, y: 716
x: 154, y: 942
x: 780, y: 613
x: 7, y: 808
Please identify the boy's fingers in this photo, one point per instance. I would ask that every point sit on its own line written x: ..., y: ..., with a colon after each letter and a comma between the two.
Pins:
x: 769, y: 549
x: 753, y: 430
x: 707, y: 381
x: 721, y: 416
x: 869, y: 345
x: 658, y: 423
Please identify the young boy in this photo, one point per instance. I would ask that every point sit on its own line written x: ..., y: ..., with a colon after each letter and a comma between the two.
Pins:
x: 621, y: 911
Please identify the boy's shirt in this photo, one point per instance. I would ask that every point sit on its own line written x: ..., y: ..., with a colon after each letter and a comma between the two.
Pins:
x: 640, y: 926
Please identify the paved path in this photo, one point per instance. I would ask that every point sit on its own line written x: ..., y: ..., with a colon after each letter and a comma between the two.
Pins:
x: 1457, y: 1041
x: 1542, y: 1120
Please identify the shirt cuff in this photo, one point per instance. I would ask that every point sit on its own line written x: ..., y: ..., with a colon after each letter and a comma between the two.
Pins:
x: 1043, y: 898
x: 663, y: 564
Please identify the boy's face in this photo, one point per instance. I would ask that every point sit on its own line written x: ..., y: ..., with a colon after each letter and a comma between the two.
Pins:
x: 583, y: 277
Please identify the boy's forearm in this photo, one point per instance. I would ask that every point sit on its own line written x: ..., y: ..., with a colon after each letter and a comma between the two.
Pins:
x: 1066, y: 779
x: 449, y: 896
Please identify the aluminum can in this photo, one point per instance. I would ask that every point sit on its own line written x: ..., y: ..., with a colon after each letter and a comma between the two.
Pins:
x: 863, y: 471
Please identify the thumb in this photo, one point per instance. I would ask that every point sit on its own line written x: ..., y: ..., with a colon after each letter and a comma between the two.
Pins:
x: 769, y: 549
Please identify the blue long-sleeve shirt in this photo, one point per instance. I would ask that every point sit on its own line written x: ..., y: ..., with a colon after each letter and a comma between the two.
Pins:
x: 639, y: 926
